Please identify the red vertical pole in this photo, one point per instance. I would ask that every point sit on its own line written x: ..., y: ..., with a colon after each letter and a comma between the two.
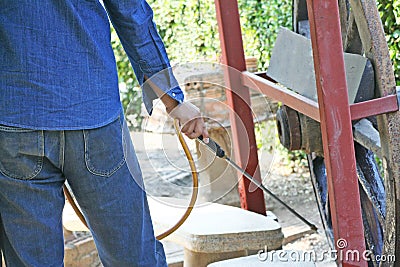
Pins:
x: 336, y: 130
x: 238, y: 98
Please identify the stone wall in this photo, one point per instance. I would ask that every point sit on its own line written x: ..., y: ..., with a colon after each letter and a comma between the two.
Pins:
x: 80, y: 250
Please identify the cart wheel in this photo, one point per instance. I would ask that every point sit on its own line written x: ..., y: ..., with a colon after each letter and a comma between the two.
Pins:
x: 362, y: 33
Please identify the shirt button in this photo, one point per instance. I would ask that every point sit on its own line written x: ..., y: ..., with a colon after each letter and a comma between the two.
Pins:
x: 173, y: 94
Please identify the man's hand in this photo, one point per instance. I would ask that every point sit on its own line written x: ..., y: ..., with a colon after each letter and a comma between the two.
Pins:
x: 190, y: 119
x: 186, y: 113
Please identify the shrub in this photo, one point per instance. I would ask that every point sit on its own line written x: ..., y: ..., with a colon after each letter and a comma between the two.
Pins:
x: 390, y: 14
x: 190, y: 26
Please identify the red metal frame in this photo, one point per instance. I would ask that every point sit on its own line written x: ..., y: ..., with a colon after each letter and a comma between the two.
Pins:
x: 336, y: 128
x: 290, y: 98
x: 238, y: 98
x: 332, y: 110
x: 309, y: 107
x: 373, y: 107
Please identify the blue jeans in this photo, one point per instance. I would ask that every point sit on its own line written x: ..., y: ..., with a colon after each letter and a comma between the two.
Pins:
x: 101, y: 167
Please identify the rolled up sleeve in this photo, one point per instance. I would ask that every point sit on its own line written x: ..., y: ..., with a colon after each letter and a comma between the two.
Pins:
x: 133, y: 22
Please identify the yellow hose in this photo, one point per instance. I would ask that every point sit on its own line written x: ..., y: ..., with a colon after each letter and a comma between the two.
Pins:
x: 195, y: 185
x: 192, y: 200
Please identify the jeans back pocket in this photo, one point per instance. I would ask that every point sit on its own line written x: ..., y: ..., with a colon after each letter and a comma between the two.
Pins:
x: 104, y: 153
x: 21, y: 152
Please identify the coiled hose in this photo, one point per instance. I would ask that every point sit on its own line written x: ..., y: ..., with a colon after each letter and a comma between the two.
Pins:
x: 195, y: 189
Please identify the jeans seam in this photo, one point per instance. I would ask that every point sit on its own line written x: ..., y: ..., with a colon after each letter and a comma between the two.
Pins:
x: 62, y: 150
x: 15, y: 129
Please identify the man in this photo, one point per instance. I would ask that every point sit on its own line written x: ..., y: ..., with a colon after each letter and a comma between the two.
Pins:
x: 61, y: 119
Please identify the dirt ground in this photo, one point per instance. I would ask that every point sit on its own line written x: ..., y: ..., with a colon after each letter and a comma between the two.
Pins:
x: 166, y: 173
x: 296, y: 190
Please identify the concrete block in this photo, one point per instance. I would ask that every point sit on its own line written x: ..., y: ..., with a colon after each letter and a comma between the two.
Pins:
x: 214, y: 231
x: 292, y: 65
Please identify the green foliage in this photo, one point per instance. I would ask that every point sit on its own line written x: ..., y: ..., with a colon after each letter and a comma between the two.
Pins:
x: 189, y: 31
x: 390, y: 14
x: 188, y: 28
x: 296, y: 159
x: 267, y: 139
x: 261, y: 21
x: 191, y: 26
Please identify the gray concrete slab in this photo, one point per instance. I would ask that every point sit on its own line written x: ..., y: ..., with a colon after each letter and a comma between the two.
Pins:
x: 292, y: 66
x: 215, y: 228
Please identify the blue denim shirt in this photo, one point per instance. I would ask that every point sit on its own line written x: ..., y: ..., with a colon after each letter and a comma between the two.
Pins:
x: 57, y: 67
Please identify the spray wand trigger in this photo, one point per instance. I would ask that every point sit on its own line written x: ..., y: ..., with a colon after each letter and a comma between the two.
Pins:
x: 213, y: 146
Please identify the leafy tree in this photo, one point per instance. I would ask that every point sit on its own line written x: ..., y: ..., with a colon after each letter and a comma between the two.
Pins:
x: 390, y: 14
x: 189, y: 31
